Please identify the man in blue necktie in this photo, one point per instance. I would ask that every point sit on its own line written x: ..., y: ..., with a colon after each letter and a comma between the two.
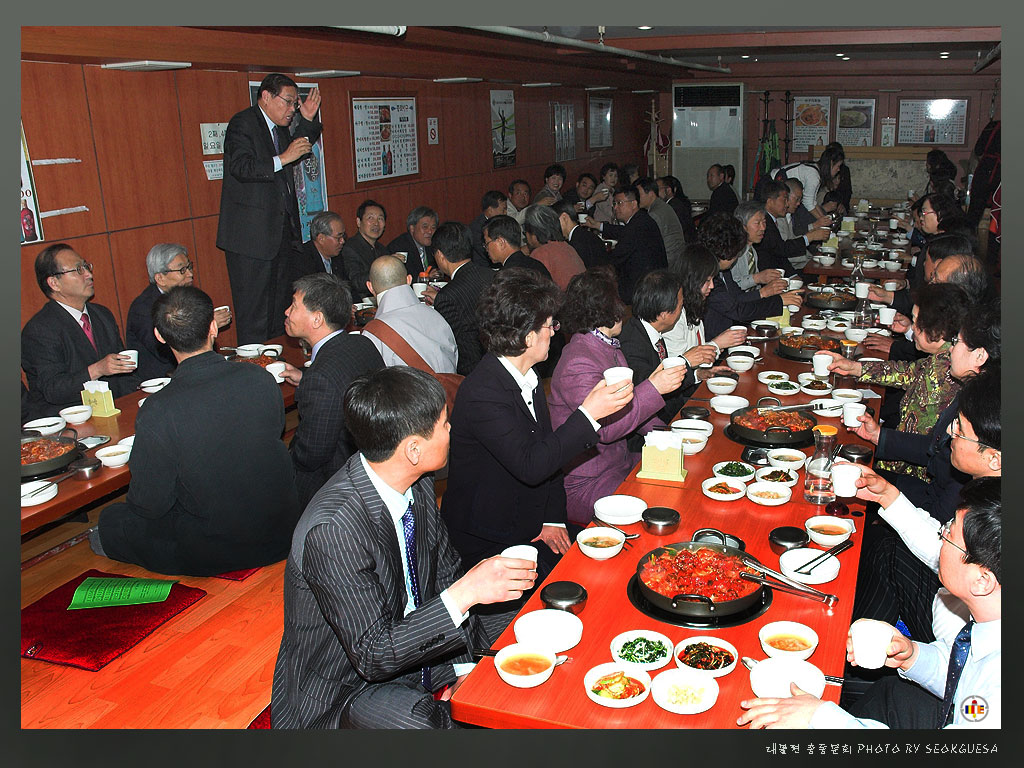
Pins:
x: 958, y: 684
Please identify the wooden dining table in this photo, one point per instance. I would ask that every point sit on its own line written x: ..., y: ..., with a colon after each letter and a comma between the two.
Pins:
x: 561, y: 702
x: 74, y: 493
x: 846, y: 251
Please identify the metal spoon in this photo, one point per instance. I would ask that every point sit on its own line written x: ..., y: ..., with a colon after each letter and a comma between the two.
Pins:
x: 609, y: 525
x: 750, y: 663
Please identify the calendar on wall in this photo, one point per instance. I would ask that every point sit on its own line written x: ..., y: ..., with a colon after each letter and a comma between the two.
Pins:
x: 932, y: 121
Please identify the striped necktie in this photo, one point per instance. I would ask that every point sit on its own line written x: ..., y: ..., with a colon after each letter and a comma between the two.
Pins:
x: 87, y: 327
x: 957, y: 658
x: 409, y: 533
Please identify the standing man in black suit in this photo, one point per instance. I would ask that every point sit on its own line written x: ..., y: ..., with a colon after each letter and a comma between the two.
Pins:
x: 589, y: 246
x: 359, y: 251
x: 723, y: 198
x: 415, y: 242
x: 375, y: 601
x: 640, y: 248
x: 70, y: 340
x: 259, y: 229
x: 493, y: 203
x: 212, y: 488
x: 319, y: 255
x: 456, y: 302
x: 321, y: 308
x: 503, y: 239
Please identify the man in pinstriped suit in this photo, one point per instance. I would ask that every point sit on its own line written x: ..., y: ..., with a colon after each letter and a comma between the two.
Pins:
x: 367, y: 638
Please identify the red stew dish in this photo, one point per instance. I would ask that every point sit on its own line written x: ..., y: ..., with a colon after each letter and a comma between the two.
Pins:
x: 702, y: 572
x: 261, y: 360
x: 36, y: 451
x: 762, y: 420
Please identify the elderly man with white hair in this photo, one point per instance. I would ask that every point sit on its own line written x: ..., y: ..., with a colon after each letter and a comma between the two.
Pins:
x: 168, y: 265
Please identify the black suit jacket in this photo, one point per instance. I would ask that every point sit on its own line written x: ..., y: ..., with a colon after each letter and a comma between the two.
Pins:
x: 322, y: 444
x: 504, y: 477
x: 155, y: 359
x: 345, y: 627
x: 773, y: 251
x: 307, y: 261
x: 56, y: 355
x: 357, y: 254
x: 456, y: 302
x: 255, y: 202
x: 414, y: 264
x: 640, y: 249
x: 520, y: 259
x: 476, y: 237
x: 590, y: 247
x: 212, y: 488
x: 728, y: 304
x: 643, y: 358
x: 681, y: 205
x: 723, y: 198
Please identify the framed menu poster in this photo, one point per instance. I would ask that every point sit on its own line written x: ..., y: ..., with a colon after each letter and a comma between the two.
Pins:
x: 855, y: 122
x: 810, y: 121
x: 932, y: 121
x: 599, y: 122
x: 384, y: 134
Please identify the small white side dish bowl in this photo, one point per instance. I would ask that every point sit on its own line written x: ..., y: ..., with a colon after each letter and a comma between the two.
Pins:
x: 775, y: 629
x: 77, y: 414
x: 726, y: 404
x: 114, y: 455
x: 600, y: 552
x: 524, y: 681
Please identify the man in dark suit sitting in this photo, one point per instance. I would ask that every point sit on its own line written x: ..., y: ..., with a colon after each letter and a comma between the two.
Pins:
x: 723, y: 198
x: 321, y: 308
x: 456, y: 301
x: 640, y: 248
x: 589, y: 246
x: 360, y: 250
x: 503, y: 238
x: 212, y: 488
x: 493, y: 203
x: 773, y: 250
x: 375, y: 600
x: 319, y: 255
x: 415, y: 242
x: 70, y: 340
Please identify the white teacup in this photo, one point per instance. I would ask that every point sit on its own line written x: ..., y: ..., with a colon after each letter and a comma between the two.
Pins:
x: 617, y: 374
x: 851, y: 412
x: 671, y: 362
x: 821, y: 364
x: 886, y: 315
x: 582, y: 218
x: 861, y: 290
x: 278, y: 370
x: 521, y: 552
x: 894, y: 223
x: 844, y: 478
x: 131, y: 353
x: 891, y: 285
x: 795, y: 283
x: 870, y: 640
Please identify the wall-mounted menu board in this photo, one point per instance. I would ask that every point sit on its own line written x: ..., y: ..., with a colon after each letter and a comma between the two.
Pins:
x: 932, y: 121
x: 599, y: 122
x: 384, y: 131
x: 855, y: 122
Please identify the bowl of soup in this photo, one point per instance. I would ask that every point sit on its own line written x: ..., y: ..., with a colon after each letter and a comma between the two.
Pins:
x: 828, y: 530
x: 600, y: 543
x: 788, y: 640
x: 524, y: 666
x: 114, y: 455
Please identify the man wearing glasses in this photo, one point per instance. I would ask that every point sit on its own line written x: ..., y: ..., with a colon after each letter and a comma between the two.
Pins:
x: 259, y: 228
x: 168, y: 265
x: 320, y: 254
x: 70, y: 340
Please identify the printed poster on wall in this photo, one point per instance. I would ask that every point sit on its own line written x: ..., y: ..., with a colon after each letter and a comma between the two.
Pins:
x: 810, y: 121
x: 932, y: 121
x: 31, y: 224
x: 888, y: 131
x: 310, y: 180
x: 599, y: 122
x: 503, y: 128
x: 384, y: 132
x: 855, y: 122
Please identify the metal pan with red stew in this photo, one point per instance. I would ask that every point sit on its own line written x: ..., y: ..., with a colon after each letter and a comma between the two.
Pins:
x: 697, y: 579
x: 778, y: 427
x: 803, y: 346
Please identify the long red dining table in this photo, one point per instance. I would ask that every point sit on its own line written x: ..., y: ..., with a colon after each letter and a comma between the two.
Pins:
x: 561, y: 702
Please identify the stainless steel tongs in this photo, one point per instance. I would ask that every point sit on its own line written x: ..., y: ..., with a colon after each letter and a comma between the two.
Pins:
x: 787, y: 584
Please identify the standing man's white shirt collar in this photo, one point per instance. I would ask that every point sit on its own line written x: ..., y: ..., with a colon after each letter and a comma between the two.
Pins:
x: 75, y: 313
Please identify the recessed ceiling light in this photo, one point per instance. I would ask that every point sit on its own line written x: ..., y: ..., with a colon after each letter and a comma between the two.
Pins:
x: 645, y: 28
x: 846, y: 58
x: 745, y: 56
x: 840, y: 54
x: 943, y: 53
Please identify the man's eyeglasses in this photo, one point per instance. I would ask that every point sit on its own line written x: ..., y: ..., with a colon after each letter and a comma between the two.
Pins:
x: 181, y: 270
x: 954, y: 431
x: 81, y: 269
x: 944, y: 534
x: 954, y: 341
x: 340, y: 237
x: 925, y: 213
x: 293, y: 103
x: 555, y: 326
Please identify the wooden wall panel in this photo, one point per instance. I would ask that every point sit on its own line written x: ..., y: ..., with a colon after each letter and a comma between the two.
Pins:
x: 136, y: 127
x: 55, y: 113
x: 211, y: 270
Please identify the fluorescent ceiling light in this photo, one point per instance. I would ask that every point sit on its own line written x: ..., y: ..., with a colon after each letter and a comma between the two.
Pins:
x: 745, y: 56
x: 539, y: 85
x: 846, y: 58
x: 600, y: 88
x: 647, y: 90
x: 457, y: 79
x: 147, y: 66
x: 645, y: 28
x: 329, y: 73
x: 840, y: 54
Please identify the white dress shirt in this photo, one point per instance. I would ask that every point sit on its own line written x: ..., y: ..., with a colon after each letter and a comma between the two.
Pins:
x: 270, y: 127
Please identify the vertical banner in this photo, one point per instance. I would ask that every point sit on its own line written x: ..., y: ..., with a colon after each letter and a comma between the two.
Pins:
x: 503, y: 128
x: 310, y: 180
x: 888, y: 131
x: 31, y: 225
x: 855, y: 122
x: 810, y: 122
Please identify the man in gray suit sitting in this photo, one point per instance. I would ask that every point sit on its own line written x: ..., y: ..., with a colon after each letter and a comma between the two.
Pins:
x: 375, y: 602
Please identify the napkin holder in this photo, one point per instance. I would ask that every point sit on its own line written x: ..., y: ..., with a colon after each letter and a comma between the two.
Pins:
x: 784, y: 319
x: 662, y: 458
x: 98, y: 395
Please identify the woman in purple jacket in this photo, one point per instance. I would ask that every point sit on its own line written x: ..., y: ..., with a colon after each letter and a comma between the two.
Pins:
x: 593, y: 314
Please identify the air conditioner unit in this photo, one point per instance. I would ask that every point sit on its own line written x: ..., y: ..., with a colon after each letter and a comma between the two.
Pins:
x: 707, y: 128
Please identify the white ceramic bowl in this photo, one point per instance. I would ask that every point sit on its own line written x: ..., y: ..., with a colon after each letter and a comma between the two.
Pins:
x: 524, y: 681
x: 869, y: 360
x: 792, y: 559
x: 648, y: 634
x: 847, y: 395
x: 728, y: 403
x: 811, y: 388
x: 826, y: 260
x: 746, y: 349
x: 555, y: 630
x: 793, y: 330
x: 805, y: 377
x: 838, y: 324
x: 29, y: 497
x: 855, y: 334
x: 717, y: 471
x: 801, y: 631
x: 828, y: 249
x: 759, y: 475
x: 684, y: 691
x: 872, y: 263
x: 780, y: 493
x: 77, y: 414
x: 828, y: 539
x: 813, y: 325
x: 619, y: 509
x: 716, y: 641
x: 248, y: 350
x: 770, y: 377
x: 705, y: 428
x: 608, y: 668
x: 770, y: 679
x: 833, y: 408
x: 740, y: 363
x: 784, y: 388
x: 741, y: 489
x: 114, y: 455
x: 692, y: 445
x: 786, y: 458
x: 129, y: 441
x: 722, y: 385
x: 50, y: 425
x: 600, y: 553
x: 271, y: 350
x: 155, y: 385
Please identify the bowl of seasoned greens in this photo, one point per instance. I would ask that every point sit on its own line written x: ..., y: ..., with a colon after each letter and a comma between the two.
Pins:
x: 733, y: 470
x: 642, y: 648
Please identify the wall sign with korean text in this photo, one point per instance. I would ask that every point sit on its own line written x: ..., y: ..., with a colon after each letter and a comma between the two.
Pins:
x: 932, y: 121
x: 384, y: 133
